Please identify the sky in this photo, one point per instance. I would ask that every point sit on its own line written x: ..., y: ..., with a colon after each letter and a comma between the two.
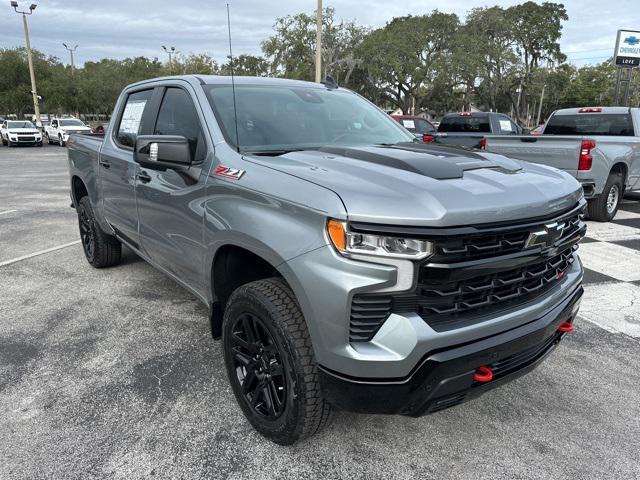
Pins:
x: 121, y: 28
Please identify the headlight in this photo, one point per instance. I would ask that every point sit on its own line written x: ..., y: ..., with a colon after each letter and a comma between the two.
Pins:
x: 347, y: 243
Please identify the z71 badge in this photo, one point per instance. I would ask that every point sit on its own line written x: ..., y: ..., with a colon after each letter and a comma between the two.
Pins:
x: 228, y: 172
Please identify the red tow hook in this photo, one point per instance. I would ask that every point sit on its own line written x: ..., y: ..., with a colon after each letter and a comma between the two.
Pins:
x: 565, y: 327
x: 483, y: 374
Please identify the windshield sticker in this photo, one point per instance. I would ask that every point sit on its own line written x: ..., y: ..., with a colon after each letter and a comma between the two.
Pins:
x: 409, y: 124
x: 505, y: 126
x: 132, y: 116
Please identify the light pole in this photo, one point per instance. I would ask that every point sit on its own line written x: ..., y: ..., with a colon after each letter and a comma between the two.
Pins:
x: 34, y: 92
x: 319, y: 42
x: 71, y: 52
x: 171, y: 51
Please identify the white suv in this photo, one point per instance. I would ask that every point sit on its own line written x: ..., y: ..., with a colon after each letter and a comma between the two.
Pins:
x: 22, y: 132
x: 59, y: 129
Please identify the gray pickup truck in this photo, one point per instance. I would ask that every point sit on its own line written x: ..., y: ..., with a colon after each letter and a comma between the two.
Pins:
x: 469, y: 129
x: 599, y: 146
x: 344, y: 264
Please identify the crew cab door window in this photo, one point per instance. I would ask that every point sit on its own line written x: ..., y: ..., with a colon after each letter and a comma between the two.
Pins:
x: 130, y: 122
x: 178, y: 116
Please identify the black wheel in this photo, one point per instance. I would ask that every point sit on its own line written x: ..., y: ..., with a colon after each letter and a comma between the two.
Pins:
x: 61, y: 142
x: 270, y: 362
x: 605, y: 206
x: 101, y: 249
x: 46, y: 136
x: 10, y: 143
x: 4, y: 142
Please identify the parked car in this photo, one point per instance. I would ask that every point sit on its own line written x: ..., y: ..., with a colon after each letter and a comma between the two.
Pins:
x: 60, y: 129
x: 344, y: 264
x: 468, y: 129
x: 538, y: 130
x: 420, y: 127
x: 20, y: 132
x: 600, y: 146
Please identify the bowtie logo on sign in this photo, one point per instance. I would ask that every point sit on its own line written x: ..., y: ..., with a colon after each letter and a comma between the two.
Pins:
x: 632, y: 41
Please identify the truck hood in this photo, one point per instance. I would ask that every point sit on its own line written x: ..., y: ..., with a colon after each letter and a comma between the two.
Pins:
x: 419, y: 185
x: 31, y: 131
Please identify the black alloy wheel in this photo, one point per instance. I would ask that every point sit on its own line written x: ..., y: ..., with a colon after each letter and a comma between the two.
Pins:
x: 259, y: 367
x: 86, y: 233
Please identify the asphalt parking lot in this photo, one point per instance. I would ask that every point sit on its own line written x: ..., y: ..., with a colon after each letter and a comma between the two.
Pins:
x: 113, y: 373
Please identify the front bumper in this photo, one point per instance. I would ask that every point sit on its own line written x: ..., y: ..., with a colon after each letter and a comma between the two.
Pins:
x: 26, y: 140
x: 445, y: 377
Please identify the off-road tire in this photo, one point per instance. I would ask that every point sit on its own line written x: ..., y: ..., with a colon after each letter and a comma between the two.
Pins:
x: 305, y: 410
x: 101, y: 249
x: 597, y: 207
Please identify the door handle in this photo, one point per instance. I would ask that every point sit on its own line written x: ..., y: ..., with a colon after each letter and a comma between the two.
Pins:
x: 143, y: 177
x: 105, y: 163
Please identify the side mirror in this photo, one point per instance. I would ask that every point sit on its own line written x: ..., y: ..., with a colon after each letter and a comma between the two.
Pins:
x: 162, y: 151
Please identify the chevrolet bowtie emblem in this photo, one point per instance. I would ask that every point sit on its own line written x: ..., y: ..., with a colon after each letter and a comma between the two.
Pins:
x: 547, y: 236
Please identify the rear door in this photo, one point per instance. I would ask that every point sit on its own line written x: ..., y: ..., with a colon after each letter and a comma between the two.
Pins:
x: 117, y: 168
x: 170, y: 200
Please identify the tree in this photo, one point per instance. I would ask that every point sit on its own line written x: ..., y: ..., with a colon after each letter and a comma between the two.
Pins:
x: 291, y: 50
x: 408, y: 53
x: 247, y: 65
x: 536, y: 30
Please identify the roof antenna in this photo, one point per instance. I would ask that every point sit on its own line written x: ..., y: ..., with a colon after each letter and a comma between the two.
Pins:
x: 233, y: 83
x: 330, y: 83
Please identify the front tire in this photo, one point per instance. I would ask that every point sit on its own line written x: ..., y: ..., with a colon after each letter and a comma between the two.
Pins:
x: 61, y: 142
x: 46, y: 136
x: 604, y: 207
x: 270, y: 362
x: 101, y: 249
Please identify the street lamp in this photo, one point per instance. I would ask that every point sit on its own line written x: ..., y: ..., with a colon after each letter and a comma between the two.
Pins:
x: 71, y: 52
x: 34, y: 92
x: 171, y: 51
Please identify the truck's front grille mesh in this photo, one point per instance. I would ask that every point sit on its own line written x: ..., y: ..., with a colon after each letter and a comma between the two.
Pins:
x: 451, y: 298
x: 472, y: 276
x: 485, y: 245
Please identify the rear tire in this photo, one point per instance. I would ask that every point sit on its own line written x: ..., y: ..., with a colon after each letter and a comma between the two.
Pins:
x: 270, y: 362
x: 604, y: 207
x: 100, y: 248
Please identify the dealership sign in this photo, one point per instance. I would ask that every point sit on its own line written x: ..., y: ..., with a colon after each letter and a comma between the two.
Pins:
x: 627, y: 52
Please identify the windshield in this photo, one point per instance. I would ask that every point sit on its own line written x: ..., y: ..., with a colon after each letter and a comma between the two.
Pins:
x: 618, y: 124
x: 71, y: 123
x: 273, y: 118
x: 463, y: 124
x: 20, y: 125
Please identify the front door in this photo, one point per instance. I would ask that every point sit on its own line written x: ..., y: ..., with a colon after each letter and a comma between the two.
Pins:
x: 118, y: 170
x: 170, y: 201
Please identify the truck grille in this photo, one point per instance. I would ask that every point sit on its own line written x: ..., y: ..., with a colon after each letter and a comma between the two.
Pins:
x: 458, y: 248
x: 26, y: 139
x: 473, y: 275
x: 445, y: 298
